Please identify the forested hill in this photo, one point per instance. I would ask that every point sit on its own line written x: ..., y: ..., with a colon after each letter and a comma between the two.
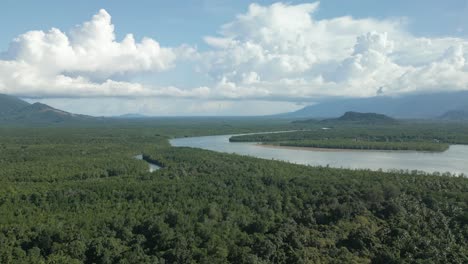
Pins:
x: 16, y: 111
x: 364, y: 118
x: 9, y: 104
x: 356, y: 118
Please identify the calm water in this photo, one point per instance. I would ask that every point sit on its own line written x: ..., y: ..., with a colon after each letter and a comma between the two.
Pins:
x: 152, y: 167
x: 454, y: 160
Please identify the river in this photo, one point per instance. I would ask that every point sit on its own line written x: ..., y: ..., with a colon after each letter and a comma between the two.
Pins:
x: 454, y: 160
x: 151, y: 167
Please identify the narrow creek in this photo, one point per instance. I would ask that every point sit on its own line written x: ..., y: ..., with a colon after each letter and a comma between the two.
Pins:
x: 152, y: 166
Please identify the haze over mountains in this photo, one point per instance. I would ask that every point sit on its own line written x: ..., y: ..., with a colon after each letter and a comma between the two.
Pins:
x: 455, y: 115
x: 424, y: 106
x: 132, y: 116
x: 443, y: 106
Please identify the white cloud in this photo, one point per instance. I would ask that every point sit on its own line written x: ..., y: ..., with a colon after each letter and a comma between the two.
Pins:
x: 282, y: 40
x: 279, y: 52
x: 343, y: 56
x: 90, y: 50
x: 84, y: 62
x: 448, y: 72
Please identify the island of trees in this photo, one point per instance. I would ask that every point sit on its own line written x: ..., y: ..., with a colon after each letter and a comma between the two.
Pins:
x: 352, y: 131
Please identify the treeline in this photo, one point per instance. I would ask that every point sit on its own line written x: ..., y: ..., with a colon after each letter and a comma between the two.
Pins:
x: 401, y: 136
x: 78, y: 196
x: 365, y: 145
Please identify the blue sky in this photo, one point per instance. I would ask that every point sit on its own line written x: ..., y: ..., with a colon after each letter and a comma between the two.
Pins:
x: 403, y: 38
x: 165, y: 20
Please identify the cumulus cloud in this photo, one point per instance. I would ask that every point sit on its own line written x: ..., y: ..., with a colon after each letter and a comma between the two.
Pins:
x: 286, y: 40
x: 448, y: 72
x: 84, y: 62
x: 278, y: 52
x: 296, y: 56
x: 90, y: 49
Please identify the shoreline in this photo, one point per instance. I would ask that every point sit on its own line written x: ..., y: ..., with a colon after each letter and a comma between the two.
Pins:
x: 341, y: 150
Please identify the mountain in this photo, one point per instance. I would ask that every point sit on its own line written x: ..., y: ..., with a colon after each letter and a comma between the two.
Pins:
x: 17, y: 111
x: 455, y: 115
x: 10, y: 104
x: 362, y: 118
x: 131, y: 116
x: 38, y: 112
x: 410, y: 106
x: 355, y: 118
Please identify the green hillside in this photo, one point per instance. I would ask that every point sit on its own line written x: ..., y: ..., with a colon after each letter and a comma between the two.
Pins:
x: 16, y: 111
x: 10, y: 104
x: 362, y: 118
x: 353, y: 118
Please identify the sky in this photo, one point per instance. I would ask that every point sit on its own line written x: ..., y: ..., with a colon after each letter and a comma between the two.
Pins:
x: 219, y: 57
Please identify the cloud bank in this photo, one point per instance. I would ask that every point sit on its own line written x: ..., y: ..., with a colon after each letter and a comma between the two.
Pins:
x: 86, y: 62
x: 294, y: 56
x: 279, y: 52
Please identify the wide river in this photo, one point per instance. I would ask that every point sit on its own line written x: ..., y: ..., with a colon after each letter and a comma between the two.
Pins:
x: 454, y: 160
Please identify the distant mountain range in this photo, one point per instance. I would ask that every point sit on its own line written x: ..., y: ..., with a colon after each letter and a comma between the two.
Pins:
x: 131, y: 116
x: 427, y: 106
x: 455, y: 115
x: 443, y: 106
x: 15, y: 110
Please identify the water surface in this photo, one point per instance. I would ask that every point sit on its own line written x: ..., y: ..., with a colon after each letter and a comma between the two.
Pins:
x: 454, y: 160
x: 152, y: 166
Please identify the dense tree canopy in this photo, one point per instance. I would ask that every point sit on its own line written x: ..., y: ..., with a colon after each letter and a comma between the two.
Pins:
x: 78, y: 196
